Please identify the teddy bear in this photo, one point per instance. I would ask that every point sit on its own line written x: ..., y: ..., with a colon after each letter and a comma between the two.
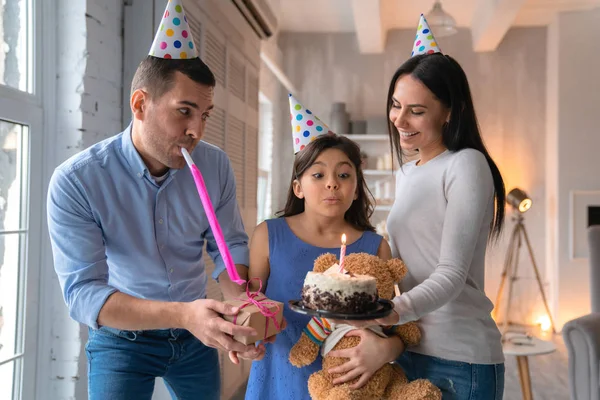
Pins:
x: 390, y: 381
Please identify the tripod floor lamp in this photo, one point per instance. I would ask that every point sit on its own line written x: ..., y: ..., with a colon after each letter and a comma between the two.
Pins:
x: 519, y: 200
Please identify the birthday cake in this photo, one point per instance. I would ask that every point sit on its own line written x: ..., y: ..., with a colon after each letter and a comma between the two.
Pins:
x: 339, y: 292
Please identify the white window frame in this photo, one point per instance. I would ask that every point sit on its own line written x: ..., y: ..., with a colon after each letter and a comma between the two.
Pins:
x: 265, y: 157
x: 33, y: 110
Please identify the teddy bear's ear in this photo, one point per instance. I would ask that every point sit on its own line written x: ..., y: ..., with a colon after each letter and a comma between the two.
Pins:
x: 324, y: 261
x: 397, y: 269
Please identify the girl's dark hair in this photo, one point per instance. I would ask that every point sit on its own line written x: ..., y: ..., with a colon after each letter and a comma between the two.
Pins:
x: 156, y: 75
x: 445, y: 78
x: 361, y: 209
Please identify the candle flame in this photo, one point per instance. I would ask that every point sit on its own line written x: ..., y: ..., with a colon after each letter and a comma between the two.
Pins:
x: 344, y: 238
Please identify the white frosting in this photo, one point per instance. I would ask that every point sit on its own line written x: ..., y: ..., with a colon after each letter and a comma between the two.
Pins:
x: 334, y: 269
x: 333, y: 281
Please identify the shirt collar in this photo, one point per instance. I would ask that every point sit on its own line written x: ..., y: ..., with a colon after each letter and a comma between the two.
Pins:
x: 133, y: 158
x: 130, y: 153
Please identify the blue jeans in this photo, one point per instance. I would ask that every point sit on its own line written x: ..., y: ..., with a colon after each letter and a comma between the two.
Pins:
x: 457, y: 380
x: 123, y: 365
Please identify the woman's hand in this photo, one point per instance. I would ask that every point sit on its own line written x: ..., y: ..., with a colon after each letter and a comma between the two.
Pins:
x: 372, y: 353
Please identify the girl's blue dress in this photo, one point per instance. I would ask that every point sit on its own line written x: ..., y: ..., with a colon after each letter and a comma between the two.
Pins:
x: 274, y: 378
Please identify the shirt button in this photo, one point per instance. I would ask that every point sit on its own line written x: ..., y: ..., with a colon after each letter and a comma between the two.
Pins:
x: 171, y: 271
x: 139, y: 175
x: 160, y: 221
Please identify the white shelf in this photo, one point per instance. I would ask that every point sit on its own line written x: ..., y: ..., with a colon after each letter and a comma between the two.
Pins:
x: 368, y: 137
x: 378, y: 172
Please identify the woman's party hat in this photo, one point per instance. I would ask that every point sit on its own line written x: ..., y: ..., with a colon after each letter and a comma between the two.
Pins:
x: 174, y: 38
x: 424, y: 41
x: 306, y: 126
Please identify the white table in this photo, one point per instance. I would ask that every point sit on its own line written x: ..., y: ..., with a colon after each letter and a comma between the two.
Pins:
x: 522, y: 346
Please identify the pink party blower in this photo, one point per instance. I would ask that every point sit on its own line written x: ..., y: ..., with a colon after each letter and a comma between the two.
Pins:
x: 212, y: 219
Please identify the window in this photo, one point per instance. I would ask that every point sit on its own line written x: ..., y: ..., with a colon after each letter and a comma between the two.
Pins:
x: 13, y: 238
x: 21, y: 195
x: 16, y: 44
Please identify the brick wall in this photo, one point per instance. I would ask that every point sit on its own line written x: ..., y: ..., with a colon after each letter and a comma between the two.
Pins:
x: 88, y: 109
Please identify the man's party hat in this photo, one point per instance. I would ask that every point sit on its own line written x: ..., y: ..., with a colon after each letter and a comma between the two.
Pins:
x: 424, y: 41
x: 306, y: 126
x: 174, y: 38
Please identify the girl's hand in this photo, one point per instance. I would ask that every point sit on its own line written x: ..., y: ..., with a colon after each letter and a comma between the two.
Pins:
x: 372, y: 353
x: 258, y: 353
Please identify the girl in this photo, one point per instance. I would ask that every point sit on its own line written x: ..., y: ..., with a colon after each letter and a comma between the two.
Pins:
x: 327, y: 198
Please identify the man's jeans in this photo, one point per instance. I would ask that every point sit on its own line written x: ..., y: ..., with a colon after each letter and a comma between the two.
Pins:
x: 123, y: 365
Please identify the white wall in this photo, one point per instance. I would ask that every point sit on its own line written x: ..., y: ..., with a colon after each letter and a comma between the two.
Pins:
x: 574, y: 140
x: 88, y: 109
x: 508, y: 87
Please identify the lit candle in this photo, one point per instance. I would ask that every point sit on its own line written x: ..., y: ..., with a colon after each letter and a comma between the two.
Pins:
x: 342, y: 253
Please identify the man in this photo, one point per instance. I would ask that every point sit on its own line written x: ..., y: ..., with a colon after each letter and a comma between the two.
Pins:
x: 128, y: 228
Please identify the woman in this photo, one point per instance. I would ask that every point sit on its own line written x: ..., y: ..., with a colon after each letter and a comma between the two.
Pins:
x: 449, y: 204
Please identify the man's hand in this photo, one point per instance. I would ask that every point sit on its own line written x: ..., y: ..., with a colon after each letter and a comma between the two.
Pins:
x: 202, y: 319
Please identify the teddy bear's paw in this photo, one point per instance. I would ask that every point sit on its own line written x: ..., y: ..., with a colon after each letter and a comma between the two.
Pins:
x: 410, y: 333
x: 304, y: 352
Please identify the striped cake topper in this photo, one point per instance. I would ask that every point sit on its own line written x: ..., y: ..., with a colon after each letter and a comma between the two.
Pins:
x: 425, y: 42
x: 306, y: 126
x: 173, y: 38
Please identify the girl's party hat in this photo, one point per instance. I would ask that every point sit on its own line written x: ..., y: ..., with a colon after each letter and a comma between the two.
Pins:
x: 174, y: 38
x: 424, y: 41
x: 306, y: 126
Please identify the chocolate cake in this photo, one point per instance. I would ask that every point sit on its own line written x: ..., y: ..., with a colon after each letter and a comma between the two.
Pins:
x: 339, y: 292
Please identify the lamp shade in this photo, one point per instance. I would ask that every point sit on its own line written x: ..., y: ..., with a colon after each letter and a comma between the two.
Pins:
x: 519, y: 200
x: 442, y: 23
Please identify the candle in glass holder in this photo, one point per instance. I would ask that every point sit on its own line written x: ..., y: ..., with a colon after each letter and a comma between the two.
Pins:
x: 342, y: 253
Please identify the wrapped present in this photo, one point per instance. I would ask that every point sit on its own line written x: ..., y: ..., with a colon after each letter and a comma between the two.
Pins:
x: 258, y: 312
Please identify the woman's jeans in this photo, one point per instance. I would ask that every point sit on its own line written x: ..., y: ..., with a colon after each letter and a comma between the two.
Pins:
x: 457, y: 380
x: 123, y: 365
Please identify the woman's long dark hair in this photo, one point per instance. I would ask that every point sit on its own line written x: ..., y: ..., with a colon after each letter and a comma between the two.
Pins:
x: 445, y: 78
x: 361, y: 209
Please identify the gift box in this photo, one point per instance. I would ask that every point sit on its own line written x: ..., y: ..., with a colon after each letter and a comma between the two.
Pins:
x: 258, y: 312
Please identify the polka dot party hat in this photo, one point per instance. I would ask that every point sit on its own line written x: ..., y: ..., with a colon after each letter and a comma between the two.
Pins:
x: 424, y: 41
x: 174, y: 38
x: 306, y: 126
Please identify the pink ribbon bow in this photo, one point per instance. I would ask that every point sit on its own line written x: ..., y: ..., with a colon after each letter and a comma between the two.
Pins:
x: 258, y: 299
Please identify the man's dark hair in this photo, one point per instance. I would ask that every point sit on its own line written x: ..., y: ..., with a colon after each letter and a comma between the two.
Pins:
x: 156, y: 75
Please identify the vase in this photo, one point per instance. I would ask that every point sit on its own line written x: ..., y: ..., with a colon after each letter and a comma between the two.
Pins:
x: 340, y: 120
x: 359, y: 127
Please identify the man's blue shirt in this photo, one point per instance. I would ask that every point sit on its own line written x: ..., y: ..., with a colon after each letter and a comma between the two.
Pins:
x: 112, y: 227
